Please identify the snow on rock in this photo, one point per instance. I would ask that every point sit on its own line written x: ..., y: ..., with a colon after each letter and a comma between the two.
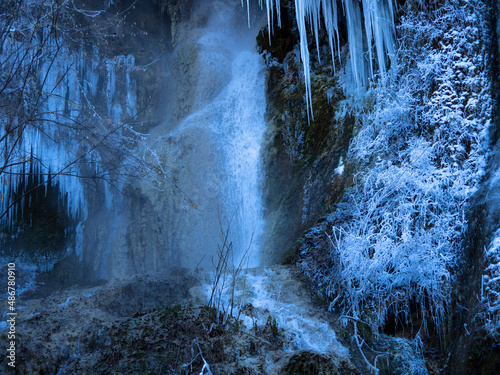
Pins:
x: 340, y: 169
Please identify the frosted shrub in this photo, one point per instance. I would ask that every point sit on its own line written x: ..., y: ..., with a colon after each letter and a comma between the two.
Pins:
x: 422, y: 147
x: 398, y: 248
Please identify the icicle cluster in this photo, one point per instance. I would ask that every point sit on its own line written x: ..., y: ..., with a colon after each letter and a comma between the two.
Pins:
x: 377, y: 29
x: 43, y: 148
x: 49, y: 126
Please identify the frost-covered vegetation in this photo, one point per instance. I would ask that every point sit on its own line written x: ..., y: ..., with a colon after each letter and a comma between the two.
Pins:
x: 421, y: 145
x: 491, y: 286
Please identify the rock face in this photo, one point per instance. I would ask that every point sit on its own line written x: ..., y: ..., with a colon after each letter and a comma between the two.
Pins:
x: 303, y: 151
x: 475, y: 347
x: 107, y: 80
x: 134, y: 234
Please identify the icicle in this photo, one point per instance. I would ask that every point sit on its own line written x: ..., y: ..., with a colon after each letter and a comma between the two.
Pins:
x: 379, y: 33
x: 248, y: 11
x: 269, y: 6
x: 355, y: 40
x: 79, y: 241
x: 379, y: 27
x: 110, y: 84
x: 131, y: 87
x: 331, y: 24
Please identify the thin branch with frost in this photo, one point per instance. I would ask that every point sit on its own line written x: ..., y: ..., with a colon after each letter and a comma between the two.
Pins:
x: 371, y: 368
x: 226, y: 271
x: 205, y: 363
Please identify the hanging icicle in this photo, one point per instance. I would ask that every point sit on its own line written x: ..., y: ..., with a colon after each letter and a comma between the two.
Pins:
x: 377, y: 29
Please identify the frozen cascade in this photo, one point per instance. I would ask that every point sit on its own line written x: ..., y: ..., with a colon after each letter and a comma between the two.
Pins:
x: 43, y: 146
x: 69, y: 82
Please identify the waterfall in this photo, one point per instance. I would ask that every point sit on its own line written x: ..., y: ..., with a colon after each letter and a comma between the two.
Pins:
x: 208, y: 144
x: 215, y: 152
x: 241, y: 131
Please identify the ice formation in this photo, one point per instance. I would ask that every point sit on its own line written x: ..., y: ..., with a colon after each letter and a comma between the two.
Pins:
x: 54, y: 144
x: 378, y: 31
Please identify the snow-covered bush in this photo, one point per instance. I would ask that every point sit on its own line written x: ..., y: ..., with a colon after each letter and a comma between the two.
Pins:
x: 421, y: 148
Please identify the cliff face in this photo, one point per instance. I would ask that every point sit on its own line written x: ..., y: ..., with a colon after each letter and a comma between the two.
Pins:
x: 385, y: 196
x: 431, y: 121
x: 475, y: 340
x: 304, y: 155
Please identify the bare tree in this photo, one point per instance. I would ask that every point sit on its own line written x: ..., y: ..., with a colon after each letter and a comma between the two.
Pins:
x: 226, y: 270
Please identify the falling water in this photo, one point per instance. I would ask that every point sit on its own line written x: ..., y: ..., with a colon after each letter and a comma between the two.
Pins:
x: 259, y: 296
x: 214, y: 152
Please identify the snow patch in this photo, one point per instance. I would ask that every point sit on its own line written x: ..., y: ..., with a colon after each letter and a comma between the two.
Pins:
x: 340, y: 169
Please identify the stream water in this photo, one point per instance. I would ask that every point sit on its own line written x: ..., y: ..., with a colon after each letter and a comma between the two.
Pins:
x: 275, y: 293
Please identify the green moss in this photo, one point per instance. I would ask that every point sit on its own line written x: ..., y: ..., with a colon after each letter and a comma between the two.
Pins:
x: 483, y: 356
x: 291, y: 256
x: 319, y: 300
